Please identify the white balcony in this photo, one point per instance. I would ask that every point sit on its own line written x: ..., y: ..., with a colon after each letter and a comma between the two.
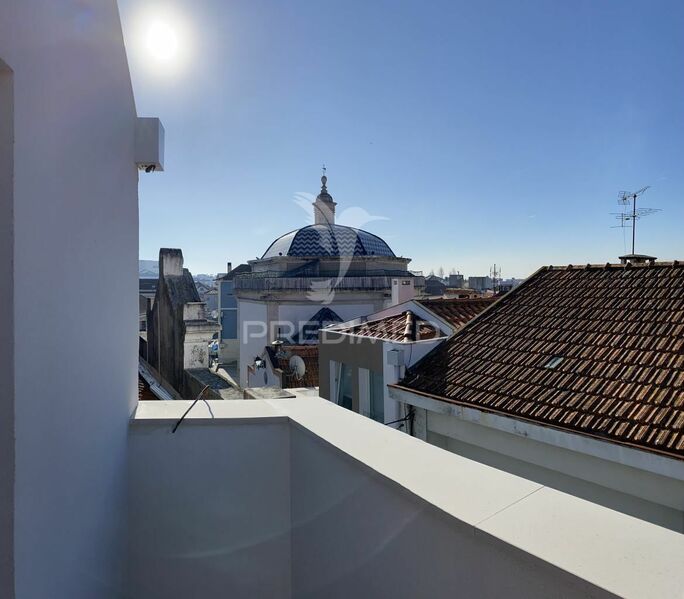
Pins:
x: 301, y: 498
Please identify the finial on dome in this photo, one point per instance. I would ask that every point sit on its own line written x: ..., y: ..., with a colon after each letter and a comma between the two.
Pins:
x: 324, y: 206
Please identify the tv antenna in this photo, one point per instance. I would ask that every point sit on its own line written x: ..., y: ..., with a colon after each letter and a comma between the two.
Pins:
x: 495, y: 276
x: 629, y: 218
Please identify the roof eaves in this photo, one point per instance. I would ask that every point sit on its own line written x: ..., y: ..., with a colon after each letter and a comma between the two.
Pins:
x: 540, y: 423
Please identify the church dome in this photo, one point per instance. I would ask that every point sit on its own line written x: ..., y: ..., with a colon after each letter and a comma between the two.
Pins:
x: 323, y: 240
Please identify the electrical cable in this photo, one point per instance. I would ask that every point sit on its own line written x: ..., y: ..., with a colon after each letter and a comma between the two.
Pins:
x: 408, y: 416
x: 192, y: 405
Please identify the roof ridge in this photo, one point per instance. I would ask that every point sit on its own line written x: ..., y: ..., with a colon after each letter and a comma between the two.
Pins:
x: 654, y: 264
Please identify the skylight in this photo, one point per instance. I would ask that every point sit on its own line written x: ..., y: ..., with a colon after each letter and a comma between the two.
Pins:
x: 553, y: 362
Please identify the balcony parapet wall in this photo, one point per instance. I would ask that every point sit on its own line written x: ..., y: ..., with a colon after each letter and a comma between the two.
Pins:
x: 300, y: 497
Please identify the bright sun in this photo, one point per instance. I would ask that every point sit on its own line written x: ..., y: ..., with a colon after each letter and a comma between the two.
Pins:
x: 162, y: 41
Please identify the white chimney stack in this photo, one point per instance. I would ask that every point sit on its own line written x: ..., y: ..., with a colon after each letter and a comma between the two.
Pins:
x: 403, y: 290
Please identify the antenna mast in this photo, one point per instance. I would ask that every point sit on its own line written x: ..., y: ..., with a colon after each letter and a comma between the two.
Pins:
x: 495, y: 275
x: 627, y: 217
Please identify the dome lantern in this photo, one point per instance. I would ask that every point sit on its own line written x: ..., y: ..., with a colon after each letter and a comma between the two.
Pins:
x: 324, y: 206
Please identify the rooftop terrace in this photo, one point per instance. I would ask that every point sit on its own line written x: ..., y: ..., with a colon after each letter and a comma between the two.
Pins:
x: 301, y: 498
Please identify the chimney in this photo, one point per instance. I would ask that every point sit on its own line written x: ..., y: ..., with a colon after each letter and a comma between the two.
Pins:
x: 229, y: 267
x: 403, y: 290
x: 170, y: 262
x: 637, y: 259
x: 410, y: 328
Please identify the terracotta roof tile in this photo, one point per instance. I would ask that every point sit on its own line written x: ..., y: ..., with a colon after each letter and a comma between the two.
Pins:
x: 457, y: 311
x: 144, y: 391
x: 394, y: 328
x: 308, y: 353
x: 620, y: 333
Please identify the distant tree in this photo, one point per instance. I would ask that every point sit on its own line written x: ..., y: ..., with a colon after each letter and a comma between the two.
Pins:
x: 452, y: 271
x: 432, y: 272
x: 440, y: 272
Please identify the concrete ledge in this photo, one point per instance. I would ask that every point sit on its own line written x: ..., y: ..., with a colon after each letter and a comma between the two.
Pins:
x: 223, y: 412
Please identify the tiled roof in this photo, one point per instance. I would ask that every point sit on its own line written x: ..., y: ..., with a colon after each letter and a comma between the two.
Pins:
x: 308, y: 353
x: 594, y: 350
x: 181, y: 289
x: 457, y: 311
x: 399, y: 327
x: 238, y: 270
x: 144, y: 391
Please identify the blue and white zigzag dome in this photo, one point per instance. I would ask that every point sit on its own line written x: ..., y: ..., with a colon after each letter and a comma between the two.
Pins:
x: 328, y: 240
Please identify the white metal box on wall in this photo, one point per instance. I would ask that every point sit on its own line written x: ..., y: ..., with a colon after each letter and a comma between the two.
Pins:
x: 149, y: 144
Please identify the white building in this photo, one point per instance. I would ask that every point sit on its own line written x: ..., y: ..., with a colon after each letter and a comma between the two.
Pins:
x: 296, y: 498
x: 360, y: 358
x: 345, y: 272
x: 68, y: 299
x: 480, y: 283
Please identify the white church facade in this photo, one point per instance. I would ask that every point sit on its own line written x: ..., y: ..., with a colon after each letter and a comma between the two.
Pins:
x: 311, y: 277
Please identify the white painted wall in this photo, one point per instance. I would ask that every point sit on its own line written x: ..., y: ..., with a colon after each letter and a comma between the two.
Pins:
x: 355, y: 534
x: 301, y: 313
x: 229, y: 350
x: 301, y: 498
x: 272, y: 314
x: 209, y: 510
x: 392, y: 374
x: 75, y: 221
x: 250, y: 346
x: 264, y: 377
x: 7, y: 334
x: 595, y: 480
x: 634, y: 491
x: 637, y: 483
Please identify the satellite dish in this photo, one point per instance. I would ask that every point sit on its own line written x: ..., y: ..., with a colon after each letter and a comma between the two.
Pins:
x: 297, y: 367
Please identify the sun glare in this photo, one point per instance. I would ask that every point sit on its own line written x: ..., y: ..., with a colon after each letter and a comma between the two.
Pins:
x: 162, y: 41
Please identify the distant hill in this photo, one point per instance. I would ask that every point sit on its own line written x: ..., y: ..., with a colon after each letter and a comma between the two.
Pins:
x: 206, y: 279
x: 148, y: 269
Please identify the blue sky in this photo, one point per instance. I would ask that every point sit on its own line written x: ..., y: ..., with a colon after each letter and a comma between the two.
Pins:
x: 485, y: 132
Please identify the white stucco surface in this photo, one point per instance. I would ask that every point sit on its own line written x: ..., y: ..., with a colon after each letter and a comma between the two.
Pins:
x: 367, y: 502
x: 7, y: 329
x: 639, y: 483
x: 252, y: 336
x: 197, y: 534
x: 290, y: 315
x: 75, y: 220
